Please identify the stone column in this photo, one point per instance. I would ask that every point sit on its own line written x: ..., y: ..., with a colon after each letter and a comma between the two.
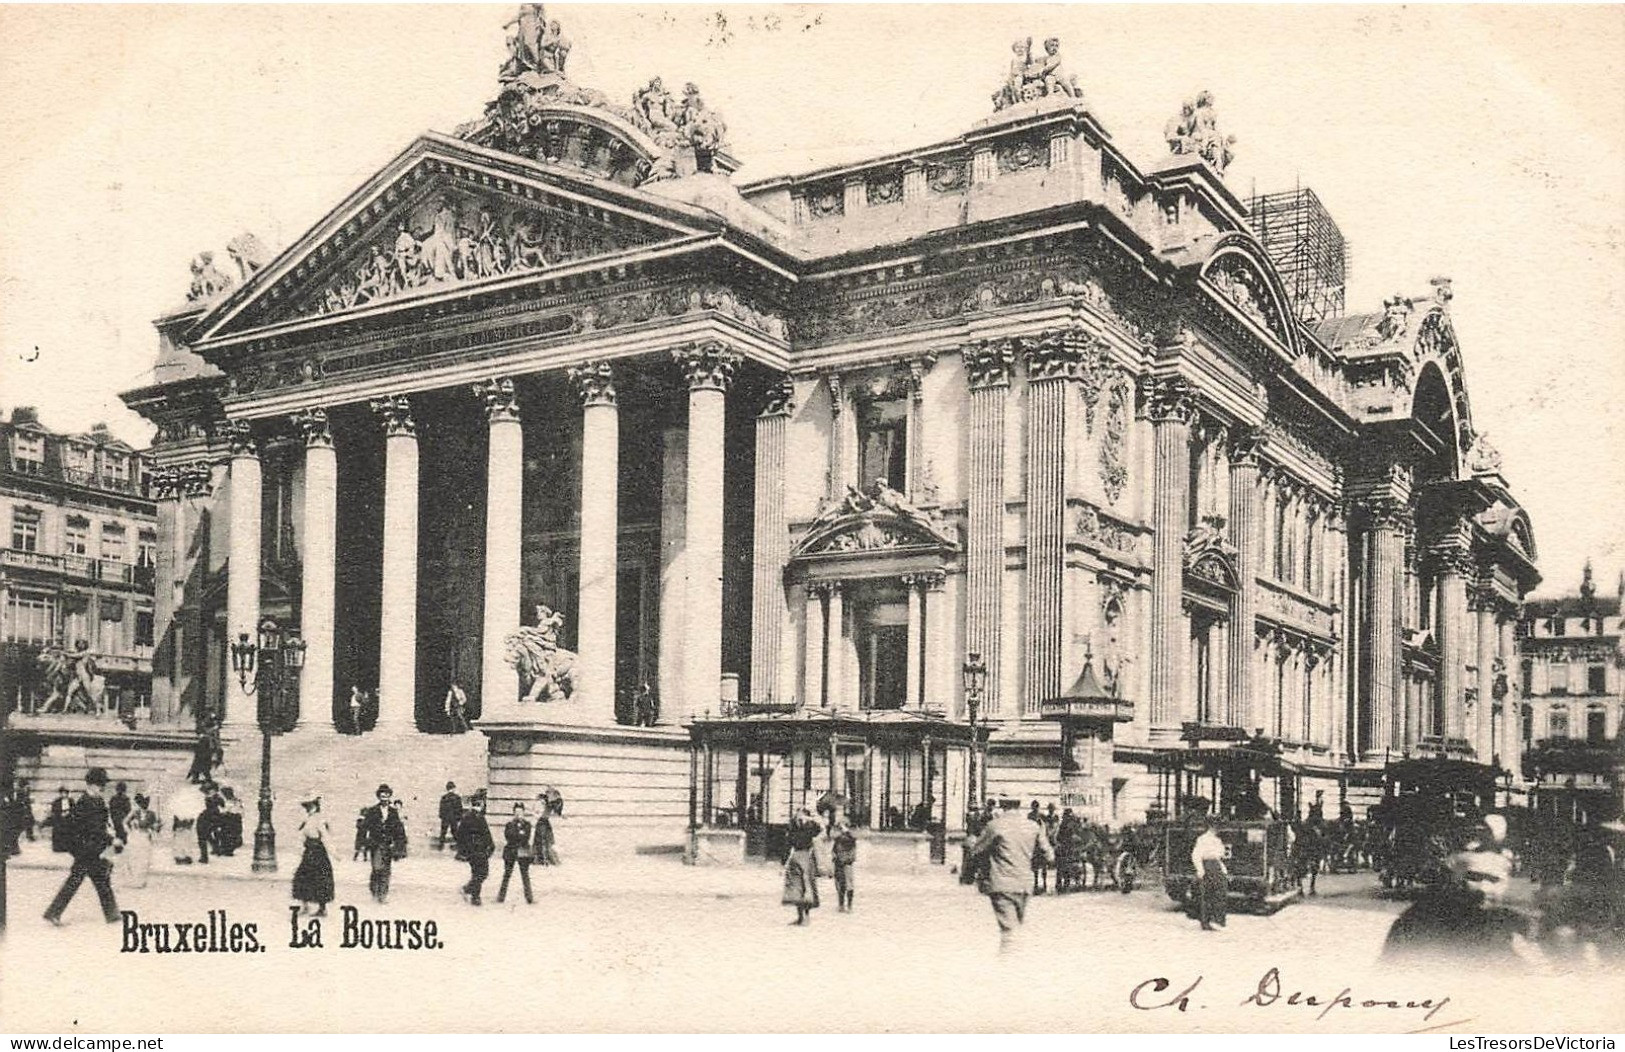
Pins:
x: 1482, y: 731
x: 170, y: 557
x: 770, y: 546
x: 673, y: 581
x: 319, y: 567
x: 813, y: 689
x: 1385, y: 580
x: 600, y: 532
x: 1511, y: 734
x: 242, y: 570
x: 1244, y: 534
x: 987, y: 372
x: 1451, y: 619
x: 504, y: 526
x: 709, y: 368
x: 1171, y: 409
x: 1052, y: 360
x: 916, y: 634
x: 835, y: 686
x: 917, y: 481
x: 939, y: 691
x: 398, y: 636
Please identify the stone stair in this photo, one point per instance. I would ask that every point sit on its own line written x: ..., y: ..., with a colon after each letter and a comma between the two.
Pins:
x: 347, y: 769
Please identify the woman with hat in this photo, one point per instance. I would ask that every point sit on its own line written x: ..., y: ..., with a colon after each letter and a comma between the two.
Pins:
x: 313, y: 880
x: 800, y: 871
x: 141, y: 826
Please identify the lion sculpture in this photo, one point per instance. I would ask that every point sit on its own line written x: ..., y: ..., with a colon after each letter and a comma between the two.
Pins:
x: 546, y: 670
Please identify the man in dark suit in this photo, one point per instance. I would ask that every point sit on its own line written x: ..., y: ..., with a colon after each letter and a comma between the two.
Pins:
x: 90, y: 832
x: 61, y: 807
x: 451, y: 808
x: 475, y: 846
x: 118, y: 809
x: 516, y: 850
x: 383, y: 833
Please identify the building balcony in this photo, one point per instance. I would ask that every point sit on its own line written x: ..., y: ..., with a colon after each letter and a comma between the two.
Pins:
x: 16, y: 557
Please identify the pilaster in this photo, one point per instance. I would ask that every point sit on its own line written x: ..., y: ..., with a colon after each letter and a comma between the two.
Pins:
x: 1171, y: 409
x: 987, y: 372
x: 1052, y: 359
x: 1244, y: 534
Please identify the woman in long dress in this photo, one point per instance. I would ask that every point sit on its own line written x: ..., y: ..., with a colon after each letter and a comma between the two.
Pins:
x: 800, y: 871
x: 136, y: 859
x: 313, y: 880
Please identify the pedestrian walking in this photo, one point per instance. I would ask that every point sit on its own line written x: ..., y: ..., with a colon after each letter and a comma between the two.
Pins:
x: 89, y: 833
x: 383, y: 835
x: 844, y: 853
x: 800, y: 870
x: 141, y: 827
x: 313, y: 880
x: 1005, y: 849
x: 1212, y: 878
x: 516, y: 851
x: 361, y: 836
x: 118, y: 810
x: 475, y: 846
x: 451, y: 809
x: 61, y: 807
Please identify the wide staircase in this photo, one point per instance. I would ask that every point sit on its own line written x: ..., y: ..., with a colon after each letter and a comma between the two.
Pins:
x: 346, y: 770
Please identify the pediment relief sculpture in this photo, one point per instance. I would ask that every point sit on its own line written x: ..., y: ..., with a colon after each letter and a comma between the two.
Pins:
x: 458, y: 239
x: 875, y: 519
x: 1241, y: 284
x: 1209, y: 554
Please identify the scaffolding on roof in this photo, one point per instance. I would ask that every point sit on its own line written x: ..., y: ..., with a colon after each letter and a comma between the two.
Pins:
x: 1307, y: 248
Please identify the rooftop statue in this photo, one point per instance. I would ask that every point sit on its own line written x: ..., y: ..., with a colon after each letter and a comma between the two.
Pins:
x: 1195, y: 131
x: 248, y: 252
x: 535, y: 45
x: 1483, y: 458
x: 1035, y: 78
x: 208, y: 280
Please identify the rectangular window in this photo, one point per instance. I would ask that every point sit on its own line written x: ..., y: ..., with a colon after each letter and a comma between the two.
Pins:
x: 1557, y: 724
x: 113, y: 542
x: 1596, y: 727
x: 1597, y: 678
x: 1282, y: 544
x: 76, y: 536
x: 28, y: 452
x: 25, y: 529
x: 115, y: 467
x: 29, y: 618
x: 146, y: 549
x: 143, y: 628
x: 1528, y: 678
x: 883, y: 444
x: 1557, y: 677
x: 1558, y: 626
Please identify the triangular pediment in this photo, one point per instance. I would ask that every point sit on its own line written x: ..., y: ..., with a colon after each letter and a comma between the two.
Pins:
x: 449, y: 219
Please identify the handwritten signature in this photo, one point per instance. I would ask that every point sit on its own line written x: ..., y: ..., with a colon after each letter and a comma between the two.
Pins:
x: 1153, y: 995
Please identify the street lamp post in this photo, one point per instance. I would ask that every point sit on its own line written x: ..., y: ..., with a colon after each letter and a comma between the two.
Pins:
x: 974, y: 673
x: 263, y: 670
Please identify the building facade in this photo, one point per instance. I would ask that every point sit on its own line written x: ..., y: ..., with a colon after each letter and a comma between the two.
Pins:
x: 797, y: 449
x: 1571, y: 668
x: 77, y: 572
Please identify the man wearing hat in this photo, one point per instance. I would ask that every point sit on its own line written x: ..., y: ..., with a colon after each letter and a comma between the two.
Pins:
x: 382, y: 832
x: 90, y: 832
x: 1005, y: 850
x: 475, y: 846
x: 451, y: 808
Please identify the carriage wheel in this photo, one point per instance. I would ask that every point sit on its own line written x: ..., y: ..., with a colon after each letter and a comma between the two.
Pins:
x: 1125, y: 872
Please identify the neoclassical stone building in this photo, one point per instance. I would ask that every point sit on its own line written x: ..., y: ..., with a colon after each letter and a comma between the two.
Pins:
x: 784, y: 454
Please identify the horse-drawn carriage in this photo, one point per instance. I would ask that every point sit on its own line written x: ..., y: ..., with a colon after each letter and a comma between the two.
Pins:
x: 1257, y: 845
x: 1093, y: 858
x: 1431, y: 809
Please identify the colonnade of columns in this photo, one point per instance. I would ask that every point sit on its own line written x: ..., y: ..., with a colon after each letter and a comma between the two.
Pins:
x: 708, y: 369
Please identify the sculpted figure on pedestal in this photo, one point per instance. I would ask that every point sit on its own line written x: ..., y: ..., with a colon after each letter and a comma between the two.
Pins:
x: 1196, y: 131
x: 546, y: 670
x: 208, y: 280
x: 1032, y: 78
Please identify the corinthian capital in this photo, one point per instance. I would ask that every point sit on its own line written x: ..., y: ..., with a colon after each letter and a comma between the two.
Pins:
x: 312, y: 424
x: 1051, y: 355
x: 780, y: 398
x: 1245, y: 444
x: 165, y: 483
x: 594, y: 382
x: 501, y: 404
x: 988, y: 363
x: 1170, y: 400
x: 240, y: 438
x: 708, y: 365
x: 395, y: 413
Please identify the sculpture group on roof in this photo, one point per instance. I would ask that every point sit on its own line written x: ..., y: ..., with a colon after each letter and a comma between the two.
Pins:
x: 533, y: 78
x: 1195, y: 132
x: 1033, y: 78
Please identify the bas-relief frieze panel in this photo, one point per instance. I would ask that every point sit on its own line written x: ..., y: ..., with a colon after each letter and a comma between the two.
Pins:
x: 266, y: 366
x: 957, y: 286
